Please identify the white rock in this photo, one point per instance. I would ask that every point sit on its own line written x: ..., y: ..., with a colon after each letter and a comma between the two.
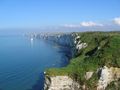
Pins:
x: 80, y: 46
x: 78, y: 37
x: 62, y: 83
x: 88, y: 75
x: 107, y: 76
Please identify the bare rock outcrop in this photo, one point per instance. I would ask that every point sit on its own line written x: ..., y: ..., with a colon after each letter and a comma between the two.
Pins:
x: 60, y: 83
x: 88, y: 75
x: 108, y: 75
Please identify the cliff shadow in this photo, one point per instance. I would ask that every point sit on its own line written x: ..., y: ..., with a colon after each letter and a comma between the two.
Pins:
x: 39, y: 85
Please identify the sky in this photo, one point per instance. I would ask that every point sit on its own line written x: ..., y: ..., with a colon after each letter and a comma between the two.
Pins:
x: 37, y: 14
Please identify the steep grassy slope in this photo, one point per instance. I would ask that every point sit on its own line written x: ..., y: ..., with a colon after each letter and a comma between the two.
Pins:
x: 103, y: 49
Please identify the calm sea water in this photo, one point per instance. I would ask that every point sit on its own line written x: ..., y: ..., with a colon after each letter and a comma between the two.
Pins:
x: 23, y: 61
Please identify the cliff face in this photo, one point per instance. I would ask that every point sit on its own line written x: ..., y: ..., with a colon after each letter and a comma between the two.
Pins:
x: 60, y: 83
x: 107, y: 76
x: 68, y: 40
x: 95, y: 66
x: 63, y: 39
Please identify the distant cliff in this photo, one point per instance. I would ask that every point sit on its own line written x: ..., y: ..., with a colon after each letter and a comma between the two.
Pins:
x: 95, y: 64
x: 66, y: 40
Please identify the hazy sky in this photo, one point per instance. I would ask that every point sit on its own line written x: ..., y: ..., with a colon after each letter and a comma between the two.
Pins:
x: 69, y: 13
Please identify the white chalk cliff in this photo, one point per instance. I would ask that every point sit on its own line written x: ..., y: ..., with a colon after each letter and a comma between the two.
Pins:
x: 107, y: 76
x: 60, y: 83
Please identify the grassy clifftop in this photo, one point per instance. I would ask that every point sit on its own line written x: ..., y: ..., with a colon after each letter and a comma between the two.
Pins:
x: 103, y: 49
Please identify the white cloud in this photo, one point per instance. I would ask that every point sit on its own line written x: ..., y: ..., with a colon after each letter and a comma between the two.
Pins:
x: 90, y: 24
x: 117, y: 20
x: 83, y: 24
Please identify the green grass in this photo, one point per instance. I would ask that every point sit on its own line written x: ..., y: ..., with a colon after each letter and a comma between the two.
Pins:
x: 92, y: 58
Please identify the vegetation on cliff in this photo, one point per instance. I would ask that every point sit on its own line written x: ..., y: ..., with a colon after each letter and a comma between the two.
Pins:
x: 103, y: 49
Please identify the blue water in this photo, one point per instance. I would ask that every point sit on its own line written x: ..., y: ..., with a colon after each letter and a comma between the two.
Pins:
x: 23, y: 61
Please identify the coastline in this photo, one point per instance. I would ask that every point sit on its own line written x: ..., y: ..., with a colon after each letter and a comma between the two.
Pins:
x: 93, y: 75
x: 87, y: 68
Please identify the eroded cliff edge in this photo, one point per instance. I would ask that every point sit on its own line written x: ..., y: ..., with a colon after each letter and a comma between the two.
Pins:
x: 95, y: 65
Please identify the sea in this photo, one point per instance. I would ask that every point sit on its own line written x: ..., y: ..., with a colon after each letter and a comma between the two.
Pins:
x: 23, y: 61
